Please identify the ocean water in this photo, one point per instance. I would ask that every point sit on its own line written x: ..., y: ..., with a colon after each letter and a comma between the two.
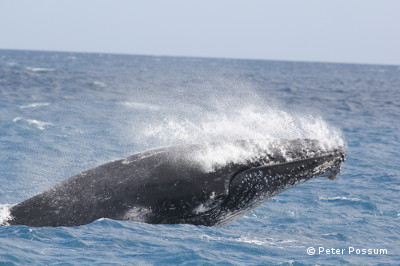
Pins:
x: 62, y: 113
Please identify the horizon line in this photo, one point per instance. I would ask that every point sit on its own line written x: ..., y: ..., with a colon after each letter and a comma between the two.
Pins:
x: 199, y: 57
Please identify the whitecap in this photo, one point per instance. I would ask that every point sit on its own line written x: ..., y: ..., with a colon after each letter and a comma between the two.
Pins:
x: 99, y: 83
x: 40, y: 69
x: 34, y: 105
x: 68, y: 97
x: 338, y: 198
x: 16, y: 119
x: 253, y: 240
x: 142, y: 106
x: 38, y: 124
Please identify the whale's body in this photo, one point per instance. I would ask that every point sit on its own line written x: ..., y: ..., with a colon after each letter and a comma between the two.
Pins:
x: 177, y: 185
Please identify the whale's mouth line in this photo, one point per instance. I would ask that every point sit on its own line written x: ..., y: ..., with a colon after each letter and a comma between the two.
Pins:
x: 330, y: 168
x: 337, y: 156
x: 320, y: 156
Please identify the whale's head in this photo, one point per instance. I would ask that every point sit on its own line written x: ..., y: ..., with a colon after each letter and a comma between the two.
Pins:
x: 243, y: 185
x: 304, y: 160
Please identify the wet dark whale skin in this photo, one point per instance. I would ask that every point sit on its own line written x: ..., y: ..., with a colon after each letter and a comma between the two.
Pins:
x: 168, y: 186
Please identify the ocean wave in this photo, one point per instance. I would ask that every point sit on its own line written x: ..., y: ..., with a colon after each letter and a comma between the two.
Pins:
x: 34, y: 105
x: 352, y: 202
x: 284, y: 243
x: 36, y: 123
x: 99, y: 83
x: 40, y: 69
x: 142, y: 106
x: 338, y: 199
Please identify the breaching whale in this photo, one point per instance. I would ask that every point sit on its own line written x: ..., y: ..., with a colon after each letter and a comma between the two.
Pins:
x: 181, y: 184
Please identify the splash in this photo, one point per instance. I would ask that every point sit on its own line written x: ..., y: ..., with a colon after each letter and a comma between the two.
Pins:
x: 4, y: 214
x: 262, y: 127
x: 245, y: 123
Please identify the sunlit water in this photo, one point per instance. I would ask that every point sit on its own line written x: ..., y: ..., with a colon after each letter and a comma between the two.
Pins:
x: 62, y: 113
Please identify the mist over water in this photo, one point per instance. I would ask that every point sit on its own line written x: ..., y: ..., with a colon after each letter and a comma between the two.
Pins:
x: 250, y: 122
x: 251, y: 119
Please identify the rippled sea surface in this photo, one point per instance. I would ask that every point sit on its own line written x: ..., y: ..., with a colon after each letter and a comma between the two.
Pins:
x: 62, y: 113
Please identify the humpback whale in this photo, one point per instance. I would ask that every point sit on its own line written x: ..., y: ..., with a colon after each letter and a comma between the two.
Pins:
x: 181, y: 184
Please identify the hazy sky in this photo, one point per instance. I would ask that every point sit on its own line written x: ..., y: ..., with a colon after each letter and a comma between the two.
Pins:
x: 358, y: 31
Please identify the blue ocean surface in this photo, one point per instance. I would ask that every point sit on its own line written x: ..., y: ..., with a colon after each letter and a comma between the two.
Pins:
x: 63, y: 113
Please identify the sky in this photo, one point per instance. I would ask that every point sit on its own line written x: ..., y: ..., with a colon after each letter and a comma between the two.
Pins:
x: 346, y: 31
